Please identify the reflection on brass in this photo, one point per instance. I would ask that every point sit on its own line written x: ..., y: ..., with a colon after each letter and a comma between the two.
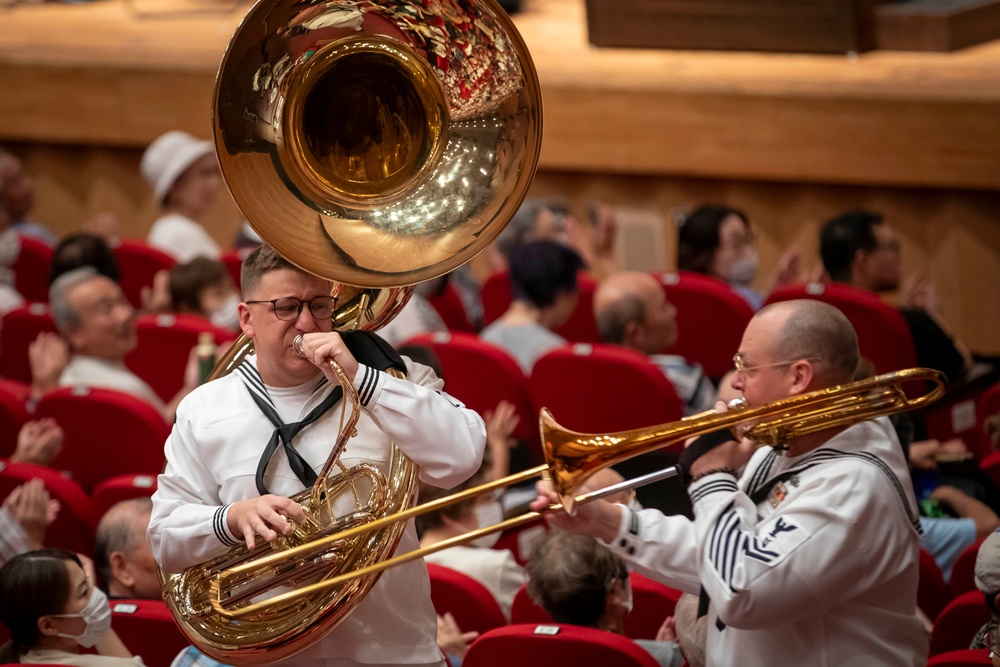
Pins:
x: 376, y: 146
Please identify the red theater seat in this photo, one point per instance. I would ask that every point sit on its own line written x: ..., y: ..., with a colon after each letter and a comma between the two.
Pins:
x: 448, y: 304
x: 14, y: 397
x: 711, y: 318
x: 148, y: 630
x: 932, y: 592
x: 17, y: 330
x: 963, y: 658
x: 122, y: 487
x: 76, y: 521
x: 547, y: 645
x: 139, y: 263
x: 955, y: 627
x: 471, y: 603
x: 31, y: 269
x: 108, y: 433
x: 963, y: 572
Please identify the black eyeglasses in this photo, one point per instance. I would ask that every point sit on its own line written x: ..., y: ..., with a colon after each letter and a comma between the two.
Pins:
x: 289, y: 308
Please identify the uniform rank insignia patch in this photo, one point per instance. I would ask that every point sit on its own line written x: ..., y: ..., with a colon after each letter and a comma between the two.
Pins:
x: 777, y: 494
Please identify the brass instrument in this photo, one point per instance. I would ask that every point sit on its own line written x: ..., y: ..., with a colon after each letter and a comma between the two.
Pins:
x: 376, y: 145
x: 573, y: 457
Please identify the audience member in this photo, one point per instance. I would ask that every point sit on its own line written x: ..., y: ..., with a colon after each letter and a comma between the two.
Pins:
x: 98, y: 322
x: 718, y: 241
x: 121, y: 553
x: 691, y: 630
x: 544, y: 288
x: 186, y: 181
x: 25, y: 514
x: 52, y: 608
x: 814, y: 536
x: 38, y: 442
x: 579, y: 582
x: 496, y: 569
x: 203, y: 287
x: 17, y: 190
x: 987, y: 578
x: 861, y: 250
x: 10, y: 248
x: 631, y: 310
x: 83, y: 249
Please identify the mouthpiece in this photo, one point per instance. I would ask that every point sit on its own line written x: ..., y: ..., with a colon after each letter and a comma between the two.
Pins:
x: 297, y: 346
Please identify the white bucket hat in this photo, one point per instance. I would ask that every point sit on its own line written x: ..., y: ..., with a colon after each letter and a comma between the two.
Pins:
x: 169, y: 156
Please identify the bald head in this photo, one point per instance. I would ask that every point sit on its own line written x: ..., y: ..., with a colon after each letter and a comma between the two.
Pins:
x: 121, y: 552
x: 631, y: 309
x: 806, y: 328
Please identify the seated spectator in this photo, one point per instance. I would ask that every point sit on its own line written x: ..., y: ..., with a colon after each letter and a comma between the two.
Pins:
x: 861, y: 250
x: 121, y: 552
x: 579, y: 582
x: 631, y: 310
x: 718, y: 241
x: 544, y: 290
x: 83, y: 249
x: 496, y: 569
x: 97, y: 320
x: 52, y: 608
x: 17, y: 189
x: 38, y: 442
x: 691, y: 629
x: 204, y: 287
x: 10, y: 248
x: 987, y: 578
x: 24, y: 516
x: 186, y: 180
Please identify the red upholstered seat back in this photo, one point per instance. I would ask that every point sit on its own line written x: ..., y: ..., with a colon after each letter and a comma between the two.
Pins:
x: 76, y: 521
x: 31, y: 269
x: 139, y: 263
x: 108, y: 433
x: 148, y: 630
x: 711, y: 318
x: 526, y: 646
x: 13, y: 413
x: 17, y: 330
x: 470, y: 602
x: 958, y: 623
x: 122, y: 487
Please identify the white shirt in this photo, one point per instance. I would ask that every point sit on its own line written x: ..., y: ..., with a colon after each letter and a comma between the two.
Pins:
x: 182, y: 238
x: 821, y: 572
x: 212, y: 456
x: 107, y: 374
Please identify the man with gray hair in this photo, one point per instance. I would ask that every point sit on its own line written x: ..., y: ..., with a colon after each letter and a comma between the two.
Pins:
x: 122, y: 554
x: 803, y: 553
x: 98, y: 324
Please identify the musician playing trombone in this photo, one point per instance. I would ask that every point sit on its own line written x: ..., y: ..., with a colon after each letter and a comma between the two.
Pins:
x: 244, y: 442
x: 805, y: 553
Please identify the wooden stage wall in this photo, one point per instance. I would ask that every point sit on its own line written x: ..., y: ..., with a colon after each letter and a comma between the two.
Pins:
x: 792, y: 140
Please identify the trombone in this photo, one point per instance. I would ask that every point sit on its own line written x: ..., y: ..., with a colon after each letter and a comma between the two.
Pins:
x: 571, y: 458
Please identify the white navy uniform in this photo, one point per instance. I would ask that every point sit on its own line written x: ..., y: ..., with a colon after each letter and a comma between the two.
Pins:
x: 212, y: 457
x: 821, y: 571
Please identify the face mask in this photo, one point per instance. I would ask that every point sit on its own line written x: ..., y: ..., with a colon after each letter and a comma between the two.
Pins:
x: 228, y: 314
x: 744, y: 268
x: 489, y: 514
x: 97, y: 617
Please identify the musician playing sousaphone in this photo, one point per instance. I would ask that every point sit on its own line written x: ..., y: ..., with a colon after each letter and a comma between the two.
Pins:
x: 804, y: 554
x: 242, y: 443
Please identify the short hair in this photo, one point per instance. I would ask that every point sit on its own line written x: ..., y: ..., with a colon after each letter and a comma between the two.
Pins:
x: 63, y: 314
x: 541, y: 270
x: 698, y: 238
x: 82, y: 249
x: 32, y: 585
x: 613, y: 317
x: 189, y: 279
x: 569, y: 575
x: 428, y: 493
x: 114, y: 532
x: 842, y: 237
x: 817, y: 329
x: 262, y: 260
x: 692, y: 631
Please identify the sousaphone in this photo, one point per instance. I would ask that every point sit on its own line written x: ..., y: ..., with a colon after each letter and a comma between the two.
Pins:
x: 376, y: 145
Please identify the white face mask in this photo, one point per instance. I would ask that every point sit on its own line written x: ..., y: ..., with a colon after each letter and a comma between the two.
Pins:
x: 96, y: 616
x: 488, y: 514
x: 744, y: 268
x: 228, y: 314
